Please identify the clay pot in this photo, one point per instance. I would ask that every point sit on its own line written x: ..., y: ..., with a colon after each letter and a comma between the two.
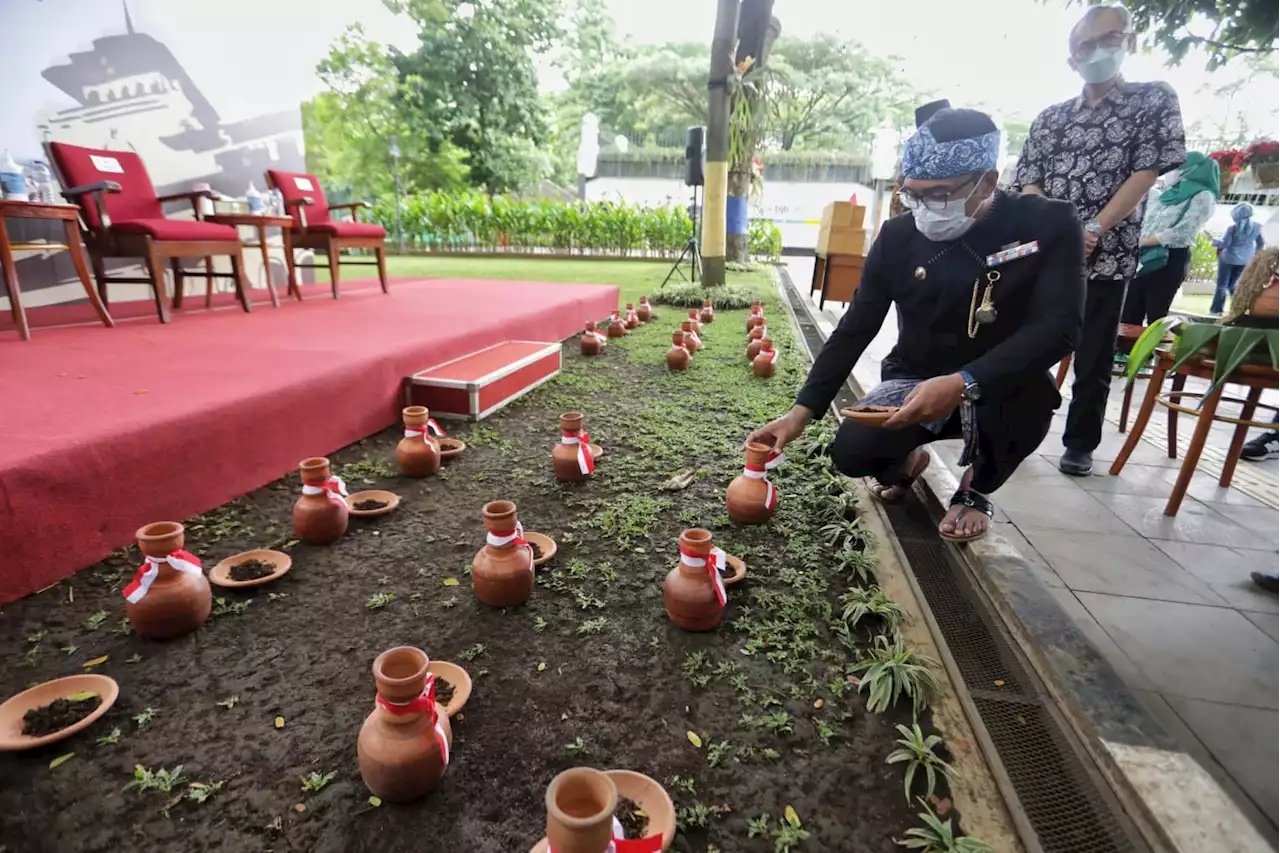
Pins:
x: 403, y: 748
x: 580, y: 806
x: 502, y: 571
x: 564, y: 458
x: 617, y: 328
x: 176, y: 599
x: 689, y: 592
x: 751, y: 497
x: 678, y: 356
x: 757, y: 332
x: 753, y: 348
x: 592, y: 342
x: 756, y: 317
x: 763, y: 365
x: 691, y: 341
x: 418, y: 453
x: 693, y: 317
x: 320, y: 514
x: 645, y: 312
x: 633, y: 319
x: 707, y: 315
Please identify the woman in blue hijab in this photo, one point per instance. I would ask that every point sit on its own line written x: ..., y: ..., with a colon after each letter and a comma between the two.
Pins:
x: 1242, y: 240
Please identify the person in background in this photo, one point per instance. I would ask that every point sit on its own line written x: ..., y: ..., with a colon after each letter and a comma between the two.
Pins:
x: 1102, y: 151
x: 1169, y: 230
x: 1241, y: 241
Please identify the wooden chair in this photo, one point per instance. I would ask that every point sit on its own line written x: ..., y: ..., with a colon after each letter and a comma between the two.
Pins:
x: 1255, y: 377
x: 122, y: 217
x: 314, y: 228
x: 1126, y: 336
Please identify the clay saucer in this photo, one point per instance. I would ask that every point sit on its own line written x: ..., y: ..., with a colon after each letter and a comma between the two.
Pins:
x: 220, y: 575
x: 871, y: 415
x: 458, y: 678
x: 12, y: 711
x: 391, y: 499
x: 739, y: 572
x: 545, y: 544
x: 451, y: 447
x: 649, y: 796
x: 596, y: 451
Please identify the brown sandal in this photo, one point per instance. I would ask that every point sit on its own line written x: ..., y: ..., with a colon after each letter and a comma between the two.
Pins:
x: 878, y: 487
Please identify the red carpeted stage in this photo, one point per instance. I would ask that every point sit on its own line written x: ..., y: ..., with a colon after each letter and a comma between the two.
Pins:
x: 103, y: 430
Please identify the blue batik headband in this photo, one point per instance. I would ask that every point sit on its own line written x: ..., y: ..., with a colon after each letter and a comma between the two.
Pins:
x: 925, y: 158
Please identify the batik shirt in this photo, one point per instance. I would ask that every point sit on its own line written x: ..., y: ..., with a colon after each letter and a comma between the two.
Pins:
x: 1083, y: 154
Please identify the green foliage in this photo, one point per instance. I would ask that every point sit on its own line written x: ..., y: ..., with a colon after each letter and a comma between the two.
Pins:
x: 725, y: 298
x: 161, y: 780
x: 890, y: 671
x: 937, y: 836
x: 314, y: 782
x: 1231, y: 345
x: 860, y: 603
x: 917, y: 751
x: 764, y: 239
x: 1204, y: 259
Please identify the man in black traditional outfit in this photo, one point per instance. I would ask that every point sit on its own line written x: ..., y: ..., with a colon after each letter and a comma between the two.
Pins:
x: 989, y: 288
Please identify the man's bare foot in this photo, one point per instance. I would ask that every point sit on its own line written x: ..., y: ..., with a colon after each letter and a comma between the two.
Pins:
x: 915, y: 464
x: 963, y: 521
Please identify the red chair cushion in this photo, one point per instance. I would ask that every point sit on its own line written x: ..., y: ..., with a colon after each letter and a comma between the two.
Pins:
x: 175, y: 229
x: 296, y: 185
x: 79, y: 166
x: 349, y: 229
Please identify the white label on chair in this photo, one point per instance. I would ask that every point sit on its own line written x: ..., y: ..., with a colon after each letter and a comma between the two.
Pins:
x: 106, y: 164
x: 303, y: 184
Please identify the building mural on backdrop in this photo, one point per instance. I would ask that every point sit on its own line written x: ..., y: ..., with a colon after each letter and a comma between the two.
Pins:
x: 131, y: 93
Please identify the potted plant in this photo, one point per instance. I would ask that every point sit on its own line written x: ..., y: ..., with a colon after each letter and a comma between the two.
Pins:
x: 1262, y: 158
x: 1230, y: 163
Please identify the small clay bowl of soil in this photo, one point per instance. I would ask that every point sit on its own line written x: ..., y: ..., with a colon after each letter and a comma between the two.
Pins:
x: 737, y: 570
x: 50, y: 712
x: 869, y: 415
x: 644, y: 807
x: 451, y: 447
x: 544, y: 547
x: 372, y: 503
x: 596, y: 451
x: 453, y: 685
x: 250, y: 568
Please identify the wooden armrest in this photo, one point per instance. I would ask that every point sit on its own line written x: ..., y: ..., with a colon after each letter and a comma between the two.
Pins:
x: 192, y: 195
x: 300, y: 205
x: 296, y: 202
x: 351, y: 207
x: 95, y: 191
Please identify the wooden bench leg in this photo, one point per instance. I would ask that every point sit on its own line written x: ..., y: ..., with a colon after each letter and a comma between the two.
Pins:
x: 1144, y: 417
x: 1237, y: 438
x: 266, y: 265
x: 242, y: 283
x: 77, y: 260
x: 1188, y: 469
x: 11, y: 283
x: 155, y: 268
x: 382, y: 267
x: 1175, y: 395
x: 1126, y: 403
x: 1063, y: 367
x: 333, y: 268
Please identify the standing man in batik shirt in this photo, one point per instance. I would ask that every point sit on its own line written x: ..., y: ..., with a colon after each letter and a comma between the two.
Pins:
x: 1102, y: 151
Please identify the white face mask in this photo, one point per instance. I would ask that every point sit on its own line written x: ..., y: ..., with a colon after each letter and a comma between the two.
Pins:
x: 1102, y: 65
x: 949, y: 223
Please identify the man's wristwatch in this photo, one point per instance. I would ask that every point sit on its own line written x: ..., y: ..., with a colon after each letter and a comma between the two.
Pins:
x: 1093, y: 226
x: 972, y: 392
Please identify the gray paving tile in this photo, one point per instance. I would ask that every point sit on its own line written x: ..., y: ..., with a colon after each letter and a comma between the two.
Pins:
x: 1194, y: 522
x: 1089, y: 626
x: 1037, y: 469
x: 1118, y: 564
x: 1226, y: 571
x: 1191, y: 650
x: 1243, y: 740
x: 1265, y: 621
x: 1261, y: 521
x: 1039, y: 567
x: 1157, y: 481
x: 1057, y: 507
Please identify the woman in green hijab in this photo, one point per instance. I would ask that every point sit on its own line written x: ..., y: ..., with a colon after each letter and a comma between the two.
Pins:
x: 1169, y: 230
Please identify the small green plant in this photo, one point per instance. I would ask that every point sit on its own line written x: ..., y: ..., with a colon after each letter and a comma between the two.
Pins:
x: 861, y: 603
x: 758, y: 826
x: 111, y: 739
x: 143, y: 718
x: 917, y: 751
x: 777, y: 722
x: 717, y: 752
x: 539, y: 624
x: 161, y: 780
x: 379, y: 600
x: 473, y: 652
x: 786, y: 837
x: 314, y: 782
x: 198, y: 792
x: 683, y: 783
x: 366, y: 471
x: 823, y: 730
x: 228, y: 703
x: 95, y: 621
x: 226, y: 607
x: 576, y: 748
x: 592, y: 626
x: 937, y: 836
x: 692, y: 817
x: 890, y: 671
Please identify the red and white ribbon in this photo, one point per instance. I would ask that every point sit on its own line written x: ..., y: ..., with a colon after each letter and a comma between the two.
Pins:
x: 632, y: 315
x: 424, y: 704
x: 599, y: 336
x: 775, y: 459
x: 585, y: 463
x: 427, y: 430
x: 697, y: 341
x: 756, y: 315
x: 183, y: 561
x: 712, y: 563
x: 651, y: 844
x: 771, y: 354
x: 333, y: 487
x: 516, y: 536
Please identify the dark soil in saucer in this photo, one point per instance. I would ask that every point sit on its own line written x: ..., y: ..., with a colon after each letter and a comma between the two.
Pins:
x: 368, y: 504
x: 444, y: 691
x: 633, y: 825
x: 537, y: 550
x: 57, y: 715
x: 251, y: 570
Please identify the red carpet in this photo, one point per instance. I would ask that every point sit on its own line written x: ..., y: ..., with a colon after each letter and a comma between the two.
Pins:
x: 107, y: 429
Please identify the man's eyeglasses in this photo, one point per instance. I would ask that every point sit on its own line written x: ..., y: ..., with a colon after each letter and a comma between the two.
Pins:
x: 1110, y: 40
x: 934, y: 199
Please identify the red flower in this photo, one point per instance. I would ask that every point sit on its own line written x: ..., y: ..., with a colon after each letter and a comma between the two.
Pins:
x: 1266, y: 151
x: 1229, y: 160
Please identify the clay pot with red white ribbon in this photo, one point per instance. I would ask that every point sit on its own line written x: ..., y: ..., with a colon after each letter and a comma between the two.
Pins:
x: 707, y: 314
x: 418, y: 453
x: 678, y: 358
x: 617, y: 326
x: 632, y: 318
x: 693, y: 318
x: 692, y: 342
x: 694, y: 591
x: 581, y: 807
x: 502, y: 571
x: 592, y: 340
x: 320, y: 513
x: 765, y: 363
x: 571, y: 459
x: 756, y: 318
x: 645, y: 311
x: 169, y: 595
x: 751, y: 497
x: 403, y: 747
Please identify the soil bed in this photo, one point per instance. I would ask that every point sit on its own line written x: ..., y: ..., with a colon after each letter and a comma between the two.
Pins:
x: 57, y: 715
x: 634, y: 822
x: 589, y: 672
x: 251, y: 570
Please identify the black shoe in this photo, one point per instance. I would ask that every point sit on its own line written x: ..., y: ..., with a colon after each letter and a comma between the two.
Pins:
x: 1077, y: 463
x: 1265, y: 446
x: 1270, y: 583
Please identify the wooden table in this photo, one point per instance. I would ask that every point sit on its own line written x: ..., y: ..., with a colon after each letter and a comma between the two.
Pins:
x: 68, y: 215
x: 260, y: 222
x: 838, y: 275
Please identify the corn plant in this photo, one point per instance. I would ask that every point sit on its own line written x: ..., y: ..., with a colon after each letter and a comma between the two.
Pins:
x: 917, y: 751
x: 937, y: 836
x: 890, y: 671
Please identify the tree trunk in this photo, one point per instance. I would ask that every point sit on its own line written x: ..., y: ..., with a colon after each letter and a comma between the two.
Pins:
x: 737, y: 246
x: 717, y: 170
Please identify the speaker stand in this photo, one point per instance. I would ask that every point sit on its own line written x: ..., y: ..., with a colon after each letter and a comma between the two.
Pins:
x: 692, y: 250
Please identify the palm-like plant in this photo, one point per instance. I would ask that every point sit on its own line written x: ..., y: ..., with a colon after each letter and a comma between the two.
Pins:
x: 862, y: 603
x: 917, y: 751
x: 890, y: 671
x: 937, y: 836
